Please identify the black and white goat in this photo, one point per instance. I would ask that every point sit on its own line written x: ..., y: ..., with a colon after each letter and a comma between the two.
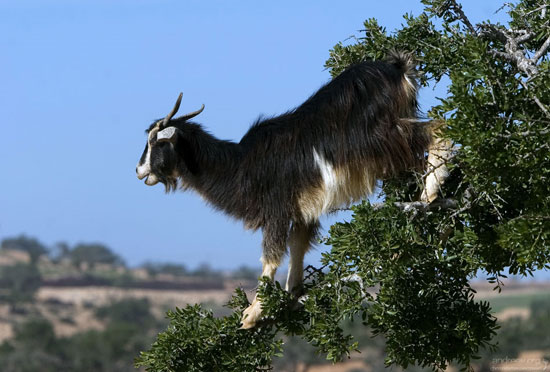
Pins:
x: 289, y: 170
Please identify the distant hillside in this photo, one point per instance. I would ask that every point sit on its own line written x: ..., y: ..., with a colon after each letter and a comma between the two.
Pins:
x: 86, y: 265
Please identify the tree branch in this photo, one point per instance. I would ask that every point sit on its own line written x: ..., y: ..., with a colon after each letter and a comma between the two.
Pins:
x: 516, y: 55
x: 523, y: 38
x: 421, y: 206
x: 542, y: 50
x: 542, y: 8
x: 416, y: 205
x: 524, y: 134
x: 512, y: 46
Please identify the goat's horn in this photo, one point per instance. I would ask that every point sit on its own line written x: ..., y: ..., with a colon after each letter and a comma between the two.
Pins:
x: 192, y: 114
x: 172, y: 113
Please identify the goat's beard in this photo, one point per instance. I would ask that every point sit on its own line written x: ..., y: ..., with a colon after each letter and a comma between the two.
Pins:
x: 170, y: 183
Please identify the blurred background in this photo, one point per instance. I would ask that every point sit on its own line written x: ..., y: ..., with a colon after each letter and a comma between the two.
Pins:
x: 91, y: 258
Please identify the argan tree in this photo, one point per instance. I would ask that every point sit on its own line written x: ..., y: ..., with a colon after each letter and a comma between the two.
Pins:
x: 19, y: 283
x: 23, y: 243
x: 93, y: 254
x: 403, y: 267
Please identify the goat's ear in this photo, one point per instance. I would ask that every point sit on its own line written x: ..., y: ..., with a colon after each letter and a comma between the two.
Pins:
x: 167, y: 135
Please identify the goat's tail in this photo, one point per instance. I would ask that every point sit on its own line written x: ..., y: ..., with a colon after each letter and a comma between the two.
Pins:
x: 439, y: 153
x: 423, y: 136
x: 405, y: 63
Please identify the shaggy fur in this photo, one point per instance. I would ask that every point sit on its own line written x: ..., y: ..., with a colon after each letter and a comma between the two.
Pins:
x: 290, y: 169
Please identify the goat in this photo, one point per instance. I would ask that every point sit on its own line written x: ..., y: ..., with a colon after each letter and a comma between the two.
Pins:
x: 289, y: 170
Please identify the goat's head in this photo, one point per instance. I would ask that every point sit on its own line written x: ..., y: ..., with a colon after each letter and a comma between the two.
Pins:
x: 159, y: 161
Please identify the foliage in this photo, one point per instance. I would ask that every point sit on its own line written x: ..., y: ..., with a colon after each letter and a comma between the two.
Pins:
x: 133, y: 311
x: 246, y: 273
x: 417, y: 260
x: 93, y: 254
x: 198, y: 341
x: 517, y: 335
x: 19, y: 283
x: 206, y: 271
x: 33, y: 247
x: 154, y: 268
x: 59, y: 251
x: 33, y: 348
x: 129, y: 327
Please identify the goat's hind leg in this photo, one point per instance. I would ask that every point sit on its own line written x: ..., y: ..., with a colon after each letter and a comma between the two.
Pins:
x: 439, y: 154
x: 274, y: 249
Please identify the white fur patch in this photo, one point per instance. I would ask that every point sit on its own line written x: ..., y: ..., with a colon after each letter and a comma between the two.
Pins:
x: 340, y: 187
x: 330, y: 181
x: 409, y: 83
x: 144, y: 169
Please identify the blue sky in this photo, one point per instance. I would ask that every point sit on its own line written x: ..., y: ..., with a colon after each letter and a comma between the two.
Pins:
x: 81, y: 81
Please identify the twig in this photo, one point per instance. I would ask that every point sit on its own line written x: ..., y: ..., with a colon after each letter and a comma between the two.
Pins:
x: 542, y: 7
x: 446, y: 159
x: 310, y: 271
x: 494, y: 206
x: 457, y: 8
x: 536, y: 99
x: 468, y: 202
x: 525, y: 133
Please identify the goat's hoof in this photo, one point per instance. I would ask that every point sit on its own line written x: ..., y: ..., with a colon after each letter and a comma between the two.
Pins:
x: 247, y: 322
x: 247, y: 325
x: 251, y: 315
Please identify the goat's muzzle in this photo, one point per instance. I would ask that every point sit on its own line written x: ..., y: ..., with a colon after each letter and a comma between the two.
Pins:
x: 140, y: 176
x: 151, y: 180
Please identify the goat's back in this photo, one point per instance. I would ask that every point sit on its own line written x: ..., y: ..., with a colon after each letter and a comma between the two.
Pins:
x: 330, y: 151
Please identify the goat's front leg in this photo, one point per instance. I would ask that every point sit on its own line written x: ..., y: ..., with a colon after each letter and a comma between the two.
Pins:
x: 253, y: 313
x: 300, y: 239
x: 274, y: 248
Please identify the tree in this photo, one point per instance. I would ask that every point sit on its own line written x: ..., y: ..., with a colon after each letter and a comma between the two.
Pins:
x: 246, y: 273
x: 156, y: 268
x: 417, y: 259
x: 32, y: 246
x: 133, y: 311
x: 60, y: 251
x: 33, y: 348
x: 93, y: 254
x: 129, y: 327
x: 206, y: 271
x: 19, y: 283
